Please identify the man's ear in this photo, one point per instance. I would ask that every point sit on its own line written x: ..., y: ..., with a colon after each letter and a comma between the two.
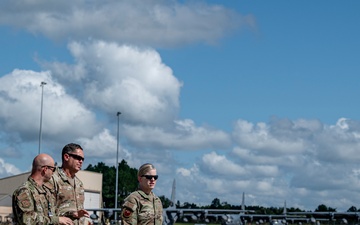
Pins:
x: 66, y: 157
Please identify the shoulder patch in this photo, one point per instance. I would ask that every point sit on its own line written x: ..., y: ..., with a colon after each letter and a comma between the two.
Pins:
x: 126, y: 213
x: 25, y: 203
x: 23, y: 197
x: 23, y: 194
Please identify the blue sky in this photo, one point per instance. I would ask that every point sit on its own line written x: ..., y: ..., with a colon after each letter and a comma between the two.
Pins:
x: 298, y: 63
x: 224, y: 96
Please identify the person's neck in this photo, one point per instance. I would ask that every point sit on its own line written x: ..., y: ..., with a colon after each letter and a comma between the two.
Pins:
x: 68, y: 173
x: 146, y: 191
x: 37, y: 179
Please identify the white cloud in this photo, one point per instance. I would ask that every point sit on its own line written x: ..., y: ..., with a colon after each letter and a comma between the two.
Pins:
x: 261, y: 137
x: 297, y: 174
x: 75, y: 105
x: 184, y: 136
x: 123, y: 78
x: 103, y: 145
x: 153, y: 22
x: 7, y: 169
x: 184, y: 172
x: 339, y: 143
x: 220, y: 165
x: 21, y: 100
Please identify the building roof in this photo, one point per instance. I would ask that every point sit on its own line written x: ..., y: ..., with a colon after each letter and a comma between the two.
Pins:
x: 5, y: 200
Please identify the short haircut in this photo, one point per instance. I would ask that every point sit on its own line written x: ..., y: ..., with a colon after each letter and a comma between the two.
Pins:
x: 70, y: 148
x: 145, y: 168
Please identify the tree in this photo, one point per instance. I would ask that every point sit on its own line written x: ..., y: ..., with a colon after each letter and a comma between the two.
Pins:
x: 165, y: 201
x: 108, y: 185
x: 352, y: 209
x: 127, y: 181
x: 215, y: 204
x: 292, y: 209
x: 324, y: 208
x: 225, y: 205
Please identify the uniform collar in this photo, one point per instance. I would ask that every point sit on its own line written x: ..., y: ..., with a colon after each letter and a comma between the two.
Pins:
x: 39, y: 188
x: 144, y: 195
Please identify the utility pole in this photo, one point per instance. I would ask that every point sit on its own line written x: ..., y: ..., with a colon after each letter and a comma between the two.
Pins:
x: 41, y: 113
x: 117, y: 165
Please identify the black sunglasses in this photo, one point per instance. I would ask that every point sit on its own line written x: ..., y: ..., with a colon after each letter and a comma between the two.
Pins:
x: 149, y: 177
x: 52, y: 168
x: 77, y: 157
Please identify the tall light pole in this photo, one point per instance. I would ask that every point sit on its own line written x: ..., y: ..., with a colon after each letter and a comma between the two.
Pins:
x: 117, y: 164
x: 41, y: 112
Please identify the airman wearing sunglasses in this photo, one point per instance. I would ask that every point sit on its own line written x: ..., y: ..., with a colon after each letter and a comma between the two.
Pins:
x: 69, y: 189
x: 143, y: 207
x: 34, y: 202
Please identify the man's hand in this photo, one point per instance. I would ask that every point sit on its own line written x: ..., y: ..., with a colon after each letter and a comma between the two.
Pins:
x: 80, y: 213
x: 65, y: 221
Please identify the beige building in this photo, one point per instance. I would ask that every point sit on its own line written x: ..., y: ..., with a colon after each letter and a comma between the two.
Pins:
x: 92, y: 183
x: 5, y: 208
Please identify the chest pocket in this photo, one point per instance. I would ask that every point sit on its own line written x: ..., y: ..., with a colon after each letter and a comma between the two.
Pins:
x: 41, y: 202
x: 146, y: 213
x: 66, y: 193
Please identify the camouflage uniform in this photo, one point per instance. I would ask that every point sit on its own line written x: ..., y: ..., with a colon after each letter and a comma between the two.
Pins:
x: 142, y: 209
x: 34, y: 204
x: 69, y: 198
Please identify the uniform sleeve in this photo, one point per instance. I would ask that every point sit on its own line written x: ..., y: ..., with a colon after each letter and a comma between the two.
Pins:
x: 52, y: 184
x: 25, y: 210
x: 129, y: 211
x: 54, y: 220
x: 159, y: 211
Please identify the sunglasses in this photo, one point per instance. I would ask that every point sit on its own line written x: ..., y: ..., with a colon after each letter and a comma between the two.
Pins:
x: 149, y: 177
x: 52, y: 168
x: 77, y: 157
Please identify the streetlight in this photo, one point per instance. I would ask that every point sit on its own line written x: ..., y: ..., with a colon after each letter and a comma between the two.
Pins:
x: 117, y: 164
x: 41, y: 112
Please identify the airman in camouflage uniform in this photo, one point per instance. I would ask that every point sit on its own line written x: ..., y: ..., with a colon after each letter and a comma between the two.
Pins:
x: 69, y: 193
x: 143, y: 207
x: 69, y: 190
x: 140, y: 208
x: 33, y: 202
